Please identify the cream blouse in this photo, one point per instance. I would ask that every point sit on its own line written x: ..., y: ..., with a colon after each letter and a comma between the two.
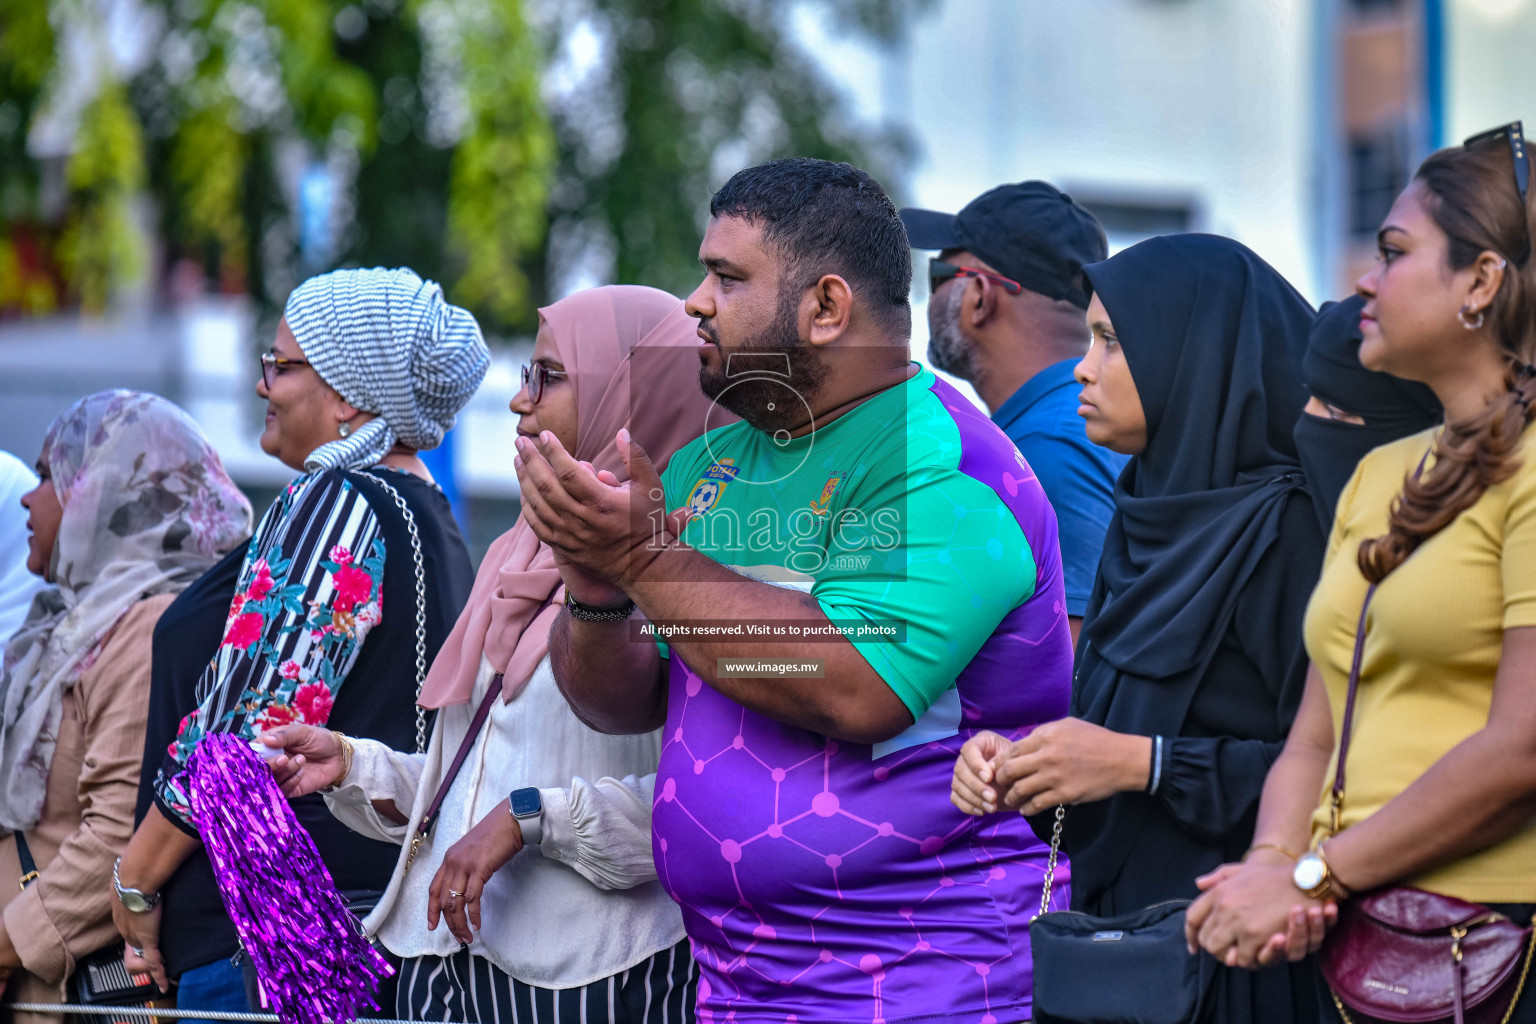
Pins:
x: 582, y: 905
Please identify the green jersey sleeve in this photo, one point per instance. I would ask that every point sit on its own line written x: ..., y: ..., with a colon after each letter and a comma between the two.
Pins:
x: 948, y: 560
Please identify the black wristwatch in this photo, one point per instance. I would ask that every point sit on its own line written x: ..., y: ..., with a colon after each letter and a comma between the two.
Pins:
x: 528, y: 808
x: 586, y: 613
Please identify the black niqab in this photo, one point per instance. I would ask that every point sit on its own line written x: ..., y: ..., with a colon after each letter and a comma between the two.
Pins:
x: 1391, y: 407
x: 1214, y: 339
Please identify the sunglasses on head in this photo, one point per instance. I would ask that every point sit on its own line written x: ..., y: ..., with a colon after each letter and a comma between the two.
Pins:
x: 1514, y: 132
x: 939, y: 272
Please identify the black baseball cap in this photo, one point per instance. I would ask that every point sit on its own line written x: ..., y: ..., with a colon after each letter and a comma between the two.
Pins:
x: 1030, y: 231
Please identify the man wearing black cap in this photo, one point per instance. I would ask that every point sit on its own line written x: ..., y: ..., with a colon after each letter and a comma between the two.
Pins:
x: 1006, y: 305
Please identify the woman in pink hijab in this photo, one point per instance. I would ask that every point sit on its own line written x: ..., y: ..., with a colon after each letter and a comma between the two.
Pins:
x: 525, y: 887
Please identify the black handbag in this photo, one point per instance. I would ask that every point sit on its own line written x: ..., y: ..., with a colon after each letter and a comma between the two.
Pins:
x: 1130, y: 969
x: 99, y: 978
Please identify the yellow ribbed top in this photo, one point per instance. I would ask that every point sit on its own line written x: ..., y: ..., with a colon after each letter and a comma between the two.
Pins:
x: 1433, y: 640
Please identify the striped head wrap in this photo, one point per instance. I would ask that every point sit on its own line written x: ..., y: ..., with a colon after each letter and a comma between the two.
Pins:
x: 391, y: 345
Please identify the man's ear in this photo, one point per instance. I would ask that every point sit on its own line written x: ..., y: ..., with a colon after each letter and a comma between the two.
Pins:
x: 983, y: 307
x: 831, y: 308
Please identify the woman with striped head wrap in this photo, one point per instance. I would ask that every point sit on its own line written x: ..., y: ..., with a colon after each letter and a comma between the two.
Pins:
x: 356, y: 572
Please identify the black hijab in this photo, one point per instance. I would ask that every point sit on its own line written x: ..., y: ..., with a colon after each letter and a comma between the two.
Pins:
x: 1391, y: 407
x: 1214, y: 338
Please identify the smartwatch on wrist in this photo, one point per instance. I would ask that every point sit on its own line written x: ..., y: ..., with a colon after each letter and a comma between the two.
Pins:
x: 528, y: 808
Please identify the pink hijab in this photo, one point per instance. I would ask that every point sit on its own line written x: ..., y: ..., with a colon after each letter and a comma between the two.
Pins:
x: 631, y: 353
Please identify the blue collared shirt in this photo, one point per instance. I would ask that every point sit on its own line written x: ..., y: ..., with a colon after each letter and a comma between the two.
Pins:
x: 1078, y: 476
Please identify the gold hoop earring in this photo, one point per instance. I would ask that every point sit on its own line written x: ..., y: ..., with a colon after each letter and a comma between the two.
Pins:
x: 1461, y: 314
x: 346, y: 431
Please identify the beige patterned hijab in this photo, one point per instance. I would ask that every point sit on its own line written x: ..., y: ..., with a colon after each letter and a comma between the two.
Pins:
x: 147, y: 508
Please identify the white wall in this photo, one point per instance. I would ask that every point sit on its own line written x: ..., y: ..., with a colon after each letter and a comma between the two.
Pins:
x: 1490, y: 70
x: 1206, y: 99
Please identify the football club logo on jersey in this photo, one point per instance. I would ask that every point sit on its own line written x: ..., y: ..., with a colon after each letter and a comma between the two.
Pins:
x: 821, y: 506
x: 706, y: 493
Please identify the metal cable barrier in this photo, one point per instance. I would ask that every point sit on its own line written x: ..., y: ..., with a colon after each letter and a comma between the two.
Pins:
x: 150, y: 1013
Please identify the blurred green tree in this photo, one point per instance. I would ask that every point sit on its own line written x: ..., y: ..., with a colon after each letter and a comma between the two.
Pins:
x: 686, y: 93
x: 423, y: 118
x: 29, y: 280
x: 280, y: 138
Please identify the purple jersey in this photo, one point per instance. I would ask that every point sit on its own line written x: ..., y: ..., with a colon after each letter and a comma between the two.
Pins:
x: 829, y: 881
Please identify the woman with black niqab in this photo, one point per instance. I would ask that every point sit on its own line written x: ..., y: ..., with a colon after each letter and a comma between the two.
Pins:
x: 1354, y: 409
x: 1190, y: 667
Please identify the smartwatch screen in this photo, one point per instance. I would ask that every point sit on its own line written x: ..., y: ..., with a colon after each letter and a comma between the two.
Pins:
x: 525, y: 802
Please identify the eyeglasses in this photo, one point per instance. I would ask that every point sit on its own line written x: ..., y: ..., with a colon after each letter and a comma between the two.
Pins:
x: 535, y: 376
x: 270, y: 362
x: 1515, y: 132
x: 940, y: 272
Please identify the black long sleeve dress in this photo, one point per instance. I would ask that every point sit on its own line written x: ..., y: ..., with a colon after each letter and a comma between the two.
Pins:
x: 1136, y: 849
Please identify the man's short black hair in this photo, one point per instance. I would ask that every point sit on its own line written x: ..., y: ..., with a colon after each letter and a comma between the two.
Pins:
x: 828, y: 218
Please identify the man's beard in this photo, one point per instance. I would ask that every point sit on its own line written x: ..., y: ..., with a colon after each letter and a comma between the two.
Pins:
x: 947, y: 348
x: 751, y: 381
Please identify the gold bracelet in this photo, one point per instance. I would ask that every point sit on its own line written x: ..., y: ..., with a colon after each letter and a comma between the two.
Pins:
x: 346, y: 759
x: 1339, y: 889
x: 1256, y: 847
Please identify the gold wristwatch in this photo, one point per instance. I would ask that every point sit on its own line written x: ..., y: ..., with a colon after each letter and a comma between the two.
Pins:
x: 1314, y: 877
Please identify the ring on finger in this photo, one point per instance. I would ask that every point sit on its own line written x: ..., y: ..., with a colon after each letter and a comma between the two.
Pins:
x: 137, y: 952
x: 454, y: 894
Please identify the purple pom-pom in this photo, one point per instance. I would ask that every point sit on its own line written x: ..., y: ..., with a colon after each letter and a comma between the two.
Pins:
x: 313, y: 962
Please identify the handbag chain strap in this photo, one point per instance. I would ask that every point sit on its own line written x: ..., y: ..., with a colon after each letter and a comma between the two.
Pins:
x: 1050, y: 864
x: 421, y: 608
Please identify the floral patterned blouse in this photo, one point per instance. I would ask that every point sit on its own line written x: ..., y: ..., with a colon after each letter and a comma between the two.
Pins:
x: 309, y: 591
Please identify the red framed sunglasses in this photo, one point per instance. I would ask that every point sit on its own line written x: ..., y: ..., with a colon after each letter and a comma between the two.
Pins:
x: 940, y: 271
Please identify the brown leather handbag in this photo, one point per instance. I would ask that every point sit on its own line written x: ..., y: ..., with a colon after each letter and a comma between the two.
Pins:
x: 1405, y: 956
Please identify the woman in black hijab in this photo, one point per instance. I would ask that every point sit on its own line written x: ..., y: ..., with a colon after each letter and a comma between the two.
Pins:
x: 1190, y: 666
x: 1352, y: 409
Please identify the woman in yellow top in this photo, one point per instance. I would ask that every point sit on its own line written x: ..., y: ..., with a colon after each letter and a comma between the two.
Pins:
x: 1441, y: 767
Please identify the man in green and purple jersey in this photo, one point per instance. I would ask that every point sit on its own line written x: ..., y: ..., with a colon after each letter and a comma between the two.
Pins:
x: 852, y: 580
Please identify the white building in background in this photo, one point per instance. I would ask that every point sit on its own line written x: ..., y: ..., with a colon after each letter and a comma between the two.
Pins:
x: 202, y: 355
x: 1286, y: 124
x: 1283, y: 123
x: 1160, y: 115
x: 1490, y: 65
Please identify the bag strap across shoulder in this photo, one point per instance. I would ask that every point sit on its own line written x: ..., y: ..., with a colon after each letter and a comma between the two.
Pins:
x: 429, y: 817
x: 1336, y: 800
x: 24, y: 856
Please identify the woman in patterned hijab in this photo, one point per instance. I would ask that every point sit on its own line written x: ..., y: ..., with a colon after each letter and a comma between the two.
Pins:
x: 145, y: 509
x: 132, y: 507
